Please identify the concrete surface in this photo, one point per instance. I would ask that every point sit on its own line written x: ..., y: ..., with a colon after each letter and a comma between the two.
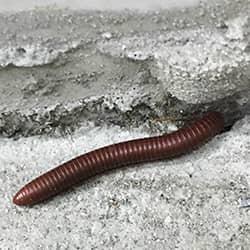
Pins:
x: 60, y: 68
x: 188, y: 203
x: 12, y: 5
x: 75, y: 80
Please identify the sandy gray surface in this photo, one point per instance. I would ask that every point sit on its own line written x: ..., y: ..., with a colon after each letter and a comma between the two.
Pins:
x: 59, y: 68
x: 188, y: 203
x: 74, y: 80
x: 12, y: 5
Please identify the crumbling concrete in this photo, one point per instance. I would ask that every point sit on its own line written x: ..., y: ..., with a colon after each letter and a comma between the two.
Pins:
x: 61, y: 68
x: 103, y: 77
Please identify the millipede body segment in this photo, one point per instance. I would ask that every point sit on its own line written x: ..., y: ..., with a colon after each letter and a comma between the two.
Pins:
x: 117, y: 155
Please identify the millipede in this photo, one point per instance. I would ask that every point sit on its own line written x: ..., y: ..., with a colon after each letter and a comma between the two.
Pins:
x: 120, y: 154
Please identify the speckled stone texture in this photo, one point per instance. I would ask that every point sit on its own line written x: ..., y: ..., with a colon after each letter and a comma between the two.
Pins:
x: 60, y: 68
x: 188, y: 203
x: 74, y: 80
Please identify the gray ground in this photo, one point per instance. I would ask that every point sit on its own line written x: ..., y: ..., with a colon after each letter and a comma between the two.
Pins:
x: 188, y: 203
x: 60, y: 68
x: 72, y: 81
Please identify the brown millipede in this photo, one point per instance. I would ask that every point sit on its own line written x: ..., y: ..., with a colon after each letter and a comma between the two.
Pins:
x: 130, y: 152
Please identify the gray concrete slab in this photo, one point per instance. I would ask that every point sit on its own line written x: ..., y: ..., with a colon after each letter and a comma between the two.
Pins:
x: 143, y: 5
x: 75, y: 80
x: 188, y: 203
x: 60, y: 68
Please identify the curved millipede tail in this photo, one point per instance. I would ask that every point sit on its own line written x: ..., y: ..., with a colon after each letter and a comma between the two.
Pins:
x: 117, y: 155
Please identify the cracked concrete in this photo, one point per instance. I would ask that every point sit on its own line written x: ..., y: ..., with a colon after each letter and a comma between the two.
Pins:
x: 194, y: 65
x: 84, y: 79
x: 61, y: 68
x: 191, y: 202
